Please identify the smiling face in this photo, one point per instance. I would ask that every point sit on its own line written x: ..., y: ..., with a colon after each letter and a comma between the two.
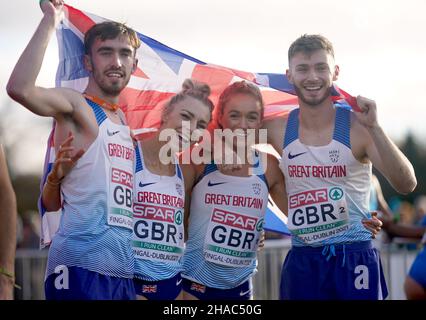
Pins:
x: 241, y: 111
x: 312, y: 75
x: 242, y: 114
x: 186, y: 111
x: 111, y: 63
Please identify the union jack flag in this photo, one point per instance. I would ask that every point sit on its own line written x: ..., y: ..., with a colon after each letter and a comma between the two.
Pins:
x: 160, y: 74
x: 198, y: 287
x: 149, y: 288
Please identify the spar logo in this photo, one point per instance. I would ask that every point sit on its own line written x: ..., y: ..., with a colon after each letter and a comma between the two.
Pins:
x: 178, y: 217
x: 259, y: 225
x: 234, y: 220
x: 308, y: 198
x: 122, y: 177
x: 122, y: 183
x: 156, y: 223
x: 234, y: 230
x: 152, y: 212
x: 335, y: 193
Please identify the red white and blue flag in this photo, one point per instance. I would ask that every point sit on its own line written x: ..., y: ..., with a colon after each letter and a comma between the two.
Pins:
x: 160, y: 74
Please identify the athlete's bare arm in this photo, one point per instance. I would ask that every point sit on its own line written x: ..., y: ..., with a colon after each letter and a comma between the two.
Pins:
x: 7, y: 231
x: 369, y: 141
x: 189, y: 176
x: 276, y: 183
x: 21, y: 86
x: 65, y: 105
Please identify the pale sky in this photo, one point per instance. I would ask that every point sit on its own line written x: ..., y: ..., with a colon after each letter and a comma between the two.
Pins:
x: 379, y: 45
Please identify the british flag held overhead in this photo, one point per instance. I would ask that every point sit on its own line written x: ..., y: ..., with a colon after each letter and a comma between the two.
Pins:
x: 160, y: 74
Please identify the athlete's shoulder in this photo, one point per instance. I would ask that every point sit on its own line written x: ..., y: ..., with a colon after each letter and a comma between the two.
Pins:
x: 275, y: 131
x: 191, y: 173
x: 75, y: 99
x: 275, y: 123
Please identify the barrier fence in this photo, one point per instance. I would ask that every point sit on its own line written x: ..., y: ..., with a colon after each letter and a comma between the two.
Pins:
x: 397, y: 258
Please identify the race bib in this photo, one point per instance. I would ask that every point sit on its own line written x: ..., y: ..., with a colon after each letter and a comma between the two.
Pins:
x: 319, y: 214
x: 120, y: 201
x: 158, y: 232
x: 232, y: 238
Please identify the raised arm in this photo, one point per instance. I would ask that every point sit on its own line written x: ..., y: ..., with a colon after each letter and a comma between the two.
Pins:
x: 21, y: 86
x: 7, y: 231
x: 382, y: 152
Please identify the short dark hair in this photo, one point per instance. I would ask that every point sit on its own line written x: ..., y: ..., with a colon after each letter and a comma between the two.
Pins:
x: 109, y: 30
x: 309, y: 43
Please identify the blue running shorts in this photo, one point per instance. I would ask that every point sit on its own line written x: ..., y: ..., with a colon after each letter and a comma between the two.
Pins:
x: 75, y: 283
x: 243, y: 292
x: 333, y: 272
x: 167, y: 289
x: 418, y: 268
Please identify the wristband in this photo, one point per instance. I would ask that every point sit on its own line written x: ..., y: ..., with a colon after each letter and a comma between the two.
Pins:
x: 6, y: 273
x: 53, y: 183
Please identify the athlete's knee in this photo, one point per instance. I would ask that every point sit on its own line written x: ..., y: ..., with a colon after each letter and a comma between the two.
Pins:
x: 188, y: 296
x: 180, y: 296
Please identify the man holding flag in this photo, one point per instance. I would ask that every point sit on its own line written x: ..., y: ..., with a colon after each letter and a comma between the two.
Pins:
x: 90, y: 256
x: 160, y: 73
x: 327, y: 157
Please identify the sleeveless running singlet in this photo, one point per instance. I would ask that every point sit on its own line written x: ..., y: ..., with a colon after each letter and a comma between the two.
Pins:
x: 158, y: 237
x: 96, y: 224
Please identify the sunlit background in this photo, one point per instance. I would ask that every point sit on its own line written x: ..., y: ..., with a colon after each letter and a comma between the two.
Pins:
x: 379, y: 45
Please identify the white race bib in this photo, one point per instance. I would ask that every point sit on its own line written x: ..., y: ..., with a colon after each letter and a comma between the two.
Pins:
x: 318, y: 214
x: 158, y: 232
x: 232, y: 238
x: 120, y: 201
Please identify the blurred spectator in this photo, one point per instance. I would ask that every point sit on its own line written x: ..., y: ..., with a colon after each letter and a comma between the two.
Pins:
x: 391, y: 224
x: 415, y: 282
x: 30, y: 237
x: 407, y: 213
x: 7, y: 231
x: 420, y: 207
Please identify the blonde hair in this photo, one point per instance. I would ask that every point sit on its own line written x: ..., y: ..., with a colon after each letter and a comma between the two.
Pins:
x: 190, y: 88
